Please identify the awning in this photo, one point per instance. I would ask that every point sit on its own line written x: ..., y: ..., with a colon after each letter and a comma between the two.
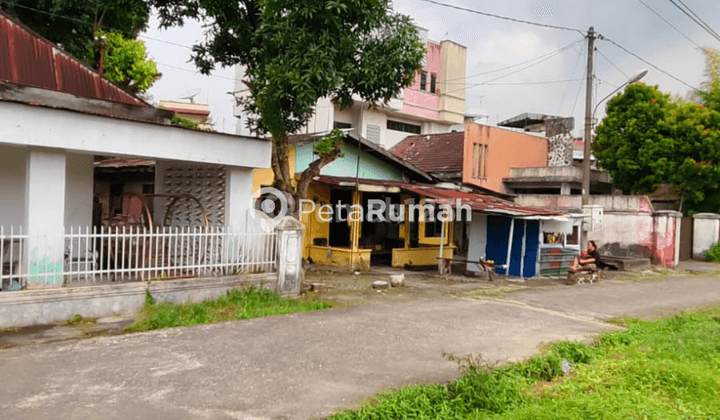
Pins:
x: 452, y: 197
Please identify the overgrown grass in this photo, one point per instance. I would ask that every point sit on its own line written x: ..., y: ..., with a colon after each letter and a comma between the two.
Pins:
x: 251, y: 302
x: 667, y: 369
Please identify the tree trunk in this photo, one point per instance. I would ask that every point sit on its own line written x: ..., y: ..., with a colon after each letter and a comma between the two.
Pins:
x: 283, y: 177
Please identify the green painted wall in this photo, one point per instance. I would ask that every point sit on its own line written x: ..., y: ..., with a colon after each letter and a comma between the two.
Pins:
x: 370, y: 166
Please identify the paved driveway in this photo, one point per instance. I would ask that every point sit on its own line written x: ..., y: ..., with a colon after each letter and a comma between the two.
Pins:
x: 309, y: 365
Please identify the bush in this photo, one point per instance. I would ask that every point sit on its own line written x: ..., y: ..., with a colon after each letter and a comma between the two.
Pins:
x: 713, y: 254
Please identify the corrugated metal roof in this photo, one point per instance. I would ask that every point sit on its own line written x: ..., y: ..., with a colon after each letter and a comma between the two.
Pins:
x: 478, y: 202
x: 365, y: 145
x: 28, y: 59
x: 433, y: 152
x: 124, y: 163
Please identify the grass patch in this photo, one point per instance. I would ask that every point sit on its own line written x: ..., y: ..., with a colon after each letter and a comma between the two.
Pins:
x: 251, y: 302
x: 667, y: 369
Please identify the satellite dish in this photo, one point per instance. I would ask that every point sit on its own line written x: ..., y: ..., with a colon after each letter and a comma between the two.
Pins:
x: 191, y: 96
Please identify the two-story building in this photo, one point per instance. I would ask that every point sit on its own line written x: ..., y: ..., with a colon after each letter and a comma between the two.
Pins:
x: 432, y: 104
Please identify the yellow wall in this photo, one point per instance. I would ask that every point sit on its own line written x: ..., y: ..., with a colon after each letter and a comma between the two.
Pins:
x: 341, y: 257
x: 452, y: 100
x: 427, y: 255
x: 265, y: 177
x: 314, y: 227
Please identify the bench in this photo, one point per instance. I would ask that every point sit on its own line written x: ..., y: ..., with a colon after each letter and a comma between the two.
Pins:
x: 488, y: 267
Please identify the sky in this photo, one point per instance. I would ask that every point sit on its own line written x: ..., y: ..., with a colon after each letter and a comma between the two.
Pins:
x: 493, y: 44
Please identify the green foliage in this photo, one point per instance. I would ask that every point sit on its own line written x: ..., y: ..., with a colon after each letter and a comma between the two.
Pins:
x: 667, y: 369
x: 251, y: 302
x: 73, y: 23
x: 713, y: 254
x: 183, y: 122
x: 647, y: 140
x: 297, y: 51
x: 328, y: 143
x: 126, y: 63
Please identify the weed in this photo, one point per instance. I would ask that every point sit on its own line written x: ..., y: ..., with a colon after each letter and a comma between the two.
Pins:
x: 77, y: 319
x: 251, y: 302
x: 662, y: 369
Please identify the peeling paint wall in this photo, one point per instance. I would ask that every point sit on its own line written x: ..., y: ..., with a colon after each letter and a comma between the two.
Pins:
x: 639, y: 235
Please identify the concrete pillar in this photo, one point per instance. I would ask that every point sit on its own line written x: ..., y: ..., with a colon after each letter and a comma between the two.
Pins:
x: 45, y: 175
x: 565, y: 188
x: 665, y: 237
x: 706, y: 232
x: 79, y: 191
x: 289, y: 257
x: 238, y: 197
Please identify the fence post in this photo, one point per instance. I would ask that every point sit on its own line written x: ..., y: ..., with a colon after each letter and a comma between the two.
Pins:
x: 289, y: 255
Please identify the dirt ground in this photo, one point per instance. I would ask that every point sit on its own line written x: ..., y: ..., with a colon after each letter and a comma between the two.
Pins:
x: 344, y: 288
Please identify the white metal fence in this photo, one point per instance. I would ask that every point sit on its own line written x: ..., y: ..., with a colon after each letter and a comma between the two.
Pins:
x: 85, y: 256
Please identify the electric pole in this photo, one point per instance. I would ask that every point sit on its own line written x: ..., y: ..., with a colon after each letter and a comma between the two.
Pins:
x: 588, y: 127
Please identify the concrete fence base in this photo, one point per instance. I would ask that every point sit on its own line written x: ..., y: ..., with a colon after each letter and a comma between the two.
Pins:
x: 37, y: 307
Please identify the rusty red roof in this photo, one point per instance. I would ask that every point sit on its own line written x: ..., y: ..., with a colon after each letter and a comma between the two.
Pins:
x: 28, y: 59
x: 124, y: 163
x: 433, y: 152
x: 478, y: 202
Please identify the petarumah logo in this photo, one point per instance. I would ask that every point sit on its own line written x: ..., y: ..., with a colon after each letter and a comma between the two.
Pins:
x: 270, y: 204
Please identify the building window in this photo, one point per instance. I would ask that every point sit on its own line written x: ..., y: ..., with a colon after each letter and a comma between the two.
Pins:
x: 479, y: 161
x: 433, y: 82
x: 341, y: 125
x: 485, y: 160
x: 423, y: 81
x: 372, y: 133
x: 476, y: 160
x: 400, y: 126
x: 433, y: 228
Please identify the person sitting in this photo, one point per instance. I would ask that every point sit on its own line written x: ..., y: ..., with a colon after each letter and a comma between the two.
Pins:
x: 588, y: 260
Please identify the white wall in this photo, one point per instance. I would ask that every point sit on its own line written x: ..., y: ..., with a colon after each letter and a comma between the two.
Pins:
x: 477, y: 240
x: 706, y: 231
x: 12, y: 186
x: 91, y: 134
x: 78, y: 191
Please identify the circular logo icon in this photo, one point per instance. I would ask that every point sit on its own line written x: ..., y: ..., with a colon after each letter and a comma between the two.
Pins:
x: 271, y: 203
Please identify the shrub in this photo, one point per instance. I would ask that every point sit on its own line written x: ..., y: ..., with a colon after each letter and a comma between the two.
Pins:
x: 713, y: 254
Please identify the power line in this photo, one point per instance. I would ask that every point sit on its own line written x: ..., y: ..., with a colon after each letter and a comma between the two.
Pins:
x: 70, y: 18
x: 512, y: 72
x: 649, y: 63
x: 581, y: 54
x: 564, y: 28
x: 689, y: 13
x: 517, y: 64
x: 84, y: 22
x: 612, y: 64
x: 669, y: 24
x: 578, y: 93
x: 541, y: 82
x: 699, y: 18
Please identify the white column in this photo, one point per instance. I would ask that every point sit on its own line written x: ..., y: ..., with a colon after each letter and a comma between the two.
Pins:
x: 238, y: 193
x: 45, y: 173
x: 79, y: 191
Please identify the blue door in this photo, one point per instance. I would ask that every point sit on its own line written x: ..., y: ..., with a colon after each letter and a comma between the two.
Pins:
x: 498, y: 230
x: 532, y: 242
x: 516, y: 251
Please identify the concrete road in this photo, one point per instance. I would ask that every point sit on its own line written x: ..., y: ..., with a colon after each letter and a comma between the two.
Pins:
x: 309, y: 365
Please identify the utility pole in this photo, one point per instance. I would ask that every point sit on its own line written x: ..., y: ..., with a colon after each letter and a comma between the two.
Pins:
x: 588, y: 127
x: 588, y: 118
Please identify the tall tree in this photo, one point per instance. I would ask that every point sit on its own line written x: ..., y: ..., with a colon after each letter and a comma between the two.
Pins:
x: 646, y: 140
x: 76, y: 24
x: 297, y: 51
x: 630, y: 144
x: 126, y: 62
x: 710, y: 95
